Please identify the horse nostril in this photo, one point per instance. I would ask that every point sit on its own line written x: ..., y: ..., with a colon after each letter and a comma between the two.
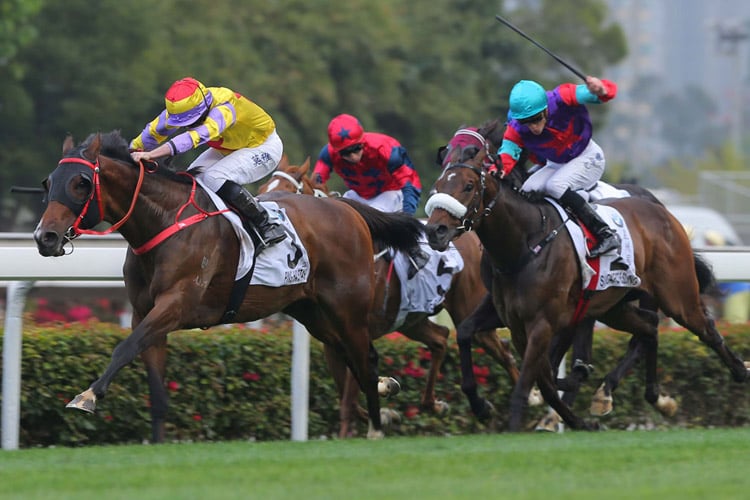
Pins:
x: 50, y: 238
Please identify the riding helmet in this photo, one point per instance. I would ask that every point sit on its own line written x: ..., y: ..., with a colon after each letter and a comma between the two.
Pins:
x: 187, y: 100
x: 344, y: 131
x: 527, y: 98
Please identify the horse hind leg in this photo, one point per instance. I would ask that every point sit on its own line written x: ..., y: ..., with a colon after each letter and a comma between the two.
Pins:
x: 691, y: 313
x: 435, y: 337
x: 642, y: 323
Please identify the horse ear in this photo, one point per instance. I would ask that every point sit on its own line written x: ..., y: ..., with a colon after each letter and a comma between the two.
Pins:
x: 68, y: 144
x: 305, y: 166
x: 479, y: 158
x: 92, y: 151
x: 284, y: 163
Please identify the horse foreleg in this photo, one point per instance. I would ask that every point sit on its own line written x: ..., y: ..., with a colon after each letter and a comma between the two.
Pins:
x: 155, y: 360
x: 484, y: 318
x: 152, y: 330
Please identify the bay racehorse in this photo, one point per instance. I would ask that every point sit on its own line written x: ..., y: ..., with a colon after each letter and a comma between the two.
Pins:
x: 464, y: 295
x: 183, y: 257
x: 537, y: 286
x: 469, y: 141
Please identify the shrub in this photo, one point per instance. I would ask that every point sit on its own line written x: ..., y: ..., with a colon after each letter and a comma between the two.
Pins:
x: 234, y: 383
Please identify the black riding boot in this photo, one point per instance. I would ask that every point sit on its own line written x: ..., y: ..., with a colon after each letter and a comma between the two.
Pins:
x: 245, y: 203
x: 608, y: 240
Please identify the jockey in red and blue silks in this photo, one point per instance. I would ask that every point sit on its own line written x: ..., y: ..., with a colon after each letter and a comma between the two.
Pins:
x: 375, y: 167
x: 555, y: 127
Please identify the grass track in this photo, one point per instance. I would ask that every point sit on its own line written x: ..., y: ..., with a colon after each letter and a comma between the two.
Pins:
x: 682, y: 464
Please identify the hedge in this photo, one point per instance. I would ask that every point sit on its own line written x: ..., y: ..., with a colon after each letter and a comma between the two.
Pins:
x: 234, y: 384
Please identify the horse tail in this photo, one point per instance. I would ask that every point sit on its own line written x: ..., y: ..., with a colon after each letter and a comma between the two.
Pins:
x: 706, y: 279
x: 396, y: 230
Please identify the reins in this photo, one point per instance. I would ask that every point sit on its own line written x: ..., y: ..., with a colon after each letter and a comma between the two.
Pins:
x: 75, y: 230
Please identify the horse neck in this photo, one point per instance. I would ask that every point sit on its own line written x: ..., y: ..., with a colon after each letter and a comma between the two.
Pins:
x: 508, y: 229
x: 158, y: 200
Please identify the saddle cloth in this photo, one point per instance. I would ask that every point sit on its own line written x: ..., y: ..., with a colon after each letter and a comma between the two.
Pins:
x: 285, y: 263
x: 426, y: 290
x: 609, y: 269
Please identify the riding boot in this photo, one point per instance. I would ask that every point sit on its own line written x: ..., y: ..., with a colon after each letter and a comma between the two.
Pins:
x: 269, y: 233
x: 417, y: 260
x: 607, y: 240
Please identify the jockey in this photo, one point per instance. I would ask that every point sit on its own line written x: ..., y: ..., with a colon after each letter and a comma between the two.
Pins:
x: 375, y: 167
x: 243, y: 145
x: 555, y: 127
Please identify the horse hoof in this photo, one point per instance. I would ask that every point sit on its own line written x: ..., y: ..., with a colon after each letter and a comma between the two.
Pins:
x: 388, y: 386
x: 374, y: 434
x: 441, y: 407
x: 550, y: 423
x: 86, y: 401
x: 535, y: 397
x: 666, y: 405
x: 389, y: 417
x: 601, y: 403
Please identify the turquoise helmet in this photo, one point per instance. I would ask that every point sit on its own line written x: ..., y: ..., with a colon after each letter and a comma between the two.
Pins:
x: 527, y: 98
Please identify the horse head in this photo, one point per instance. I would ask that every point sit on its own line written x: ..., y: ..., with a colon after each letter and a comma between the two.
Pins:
x: 96, y: 181
x: 459, y: 198
x: 293, y: 179
x: 71, y: 196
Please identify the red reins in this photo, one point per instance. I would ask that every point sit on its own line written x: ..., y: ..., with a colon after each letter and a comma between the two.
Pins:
x: 178, y: 225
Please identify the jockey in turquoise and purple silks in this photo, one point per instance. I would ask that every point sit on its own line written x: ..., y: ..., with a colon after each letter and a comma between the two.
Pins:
x: 555, y: 127
x: 375, y: 167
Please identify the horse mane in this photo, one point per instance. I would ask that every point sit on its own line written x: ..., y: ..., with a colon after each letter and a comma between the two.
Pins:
x: 114, y: 145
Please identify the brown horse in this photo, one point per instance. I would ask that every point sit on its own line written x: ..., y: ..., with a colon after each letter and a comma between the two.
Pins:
x: 470, y: 140
x: 181, y: 266
x: 463, y: 297
x: 537, y: 287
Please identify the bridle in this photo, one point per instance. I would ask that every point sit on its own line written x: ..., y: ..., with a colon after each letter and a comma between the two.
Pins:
x: 298, y: 185
x: 470, y: 214
x: 75, y: 230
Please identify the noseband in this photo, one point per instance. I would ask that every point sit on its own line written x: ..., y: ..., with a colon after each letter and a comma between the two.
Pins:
x: 297, y: 184
x: 468, y: 215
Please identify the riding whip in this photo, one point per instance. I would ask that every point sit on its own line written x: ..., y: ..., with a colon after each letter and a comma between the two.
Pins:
x: 554, y: 56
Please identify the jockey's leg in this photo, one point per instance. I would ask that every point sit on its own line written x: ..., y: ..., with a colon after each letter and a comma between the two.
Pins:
x: 608, y: 240
x: 247, y: 205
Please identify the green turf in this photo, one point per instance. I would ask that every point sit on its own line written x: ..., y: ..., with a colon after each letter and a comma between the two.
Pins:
x: 679, y: 464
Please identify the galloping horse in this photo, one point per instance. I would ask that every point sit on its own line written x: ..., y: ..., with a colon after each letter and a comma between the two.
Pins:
x: 488, y: 137
x: 183, y: 258
x: 537, y: 287
x: 465, y: 293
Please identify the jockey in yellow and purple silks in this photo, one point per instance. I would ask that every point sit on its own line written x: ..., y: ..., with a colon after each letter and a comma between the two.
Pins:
x: 555, y: 127
x: 243, y: 145
x: 375, y: 167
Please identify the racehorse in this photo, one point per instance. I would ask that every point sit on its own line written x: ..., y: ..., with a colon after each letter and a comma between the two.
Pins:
x: 181, y: 264
x: 537, y: 286
x: 488, y: 137
x: 464, y: 295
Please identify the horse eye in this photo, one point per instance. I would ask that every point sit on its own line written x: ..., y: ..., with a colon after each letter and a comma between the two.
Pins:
x: 469, y: 187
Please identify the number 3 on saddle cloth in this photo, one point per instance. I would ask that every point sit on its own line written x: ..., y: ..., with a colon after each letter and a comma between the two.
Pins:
x: 425, y: 290
x: 610, y: 269
x: 285, y: 263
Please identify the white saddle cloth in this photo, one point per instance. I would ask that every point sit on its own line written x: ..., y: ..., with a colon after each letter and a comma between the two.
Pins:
x: 285, y: 263
x: 613, y: 269
x: 426, y: 290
